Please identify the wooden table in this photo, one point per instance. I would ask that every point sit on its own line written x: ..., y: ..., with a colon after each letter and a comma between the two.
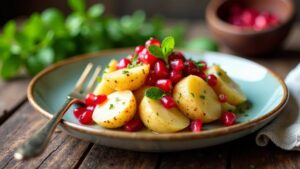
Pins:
x: 19, y: 120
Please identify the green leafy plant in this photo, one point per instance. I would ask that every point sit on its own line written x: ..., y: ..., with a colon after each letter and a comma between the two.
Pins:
x: 49, y: 37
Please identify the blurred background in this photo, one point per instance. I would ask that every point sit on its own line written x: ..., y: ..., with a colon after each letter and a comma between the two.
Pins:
x: 172, y: 9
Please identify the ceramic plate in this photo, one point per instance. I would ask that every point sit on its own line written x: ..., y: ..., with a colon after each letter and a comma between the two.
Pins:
x: 267, y: 92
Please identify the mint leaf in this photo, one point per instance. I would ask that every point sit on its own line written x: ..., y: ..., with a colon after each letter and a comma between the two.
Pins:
x: 156, y: 51
x: 77, y: 5
x: 167, y: 46
x: 154, y: 93
x: 199, y: 65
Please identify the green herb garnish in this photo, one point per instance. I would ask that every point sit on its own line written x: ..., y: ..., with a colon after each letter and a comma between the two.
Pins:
x: 111, y: 106
x: 166, y: 48
x: 154, y: 93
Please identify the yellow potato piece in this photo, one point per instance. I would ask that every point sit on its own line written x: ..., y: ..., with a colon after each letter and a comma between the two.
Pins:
x: 196, y: 99
x: 225, y: 85
x: 103, y: 87
x: 128, y: 78
x: 119, y: 108
x: 139, y: 93
x: 159, y: 119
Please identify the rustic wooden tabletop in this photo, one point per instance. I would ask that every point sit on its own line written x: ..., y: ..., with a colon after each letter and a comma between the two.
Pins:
x: 19, y: 120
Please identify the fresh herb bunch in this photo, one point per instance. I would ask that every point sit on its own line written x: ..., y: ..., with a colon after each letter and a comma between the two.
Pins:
x: 49, y: 37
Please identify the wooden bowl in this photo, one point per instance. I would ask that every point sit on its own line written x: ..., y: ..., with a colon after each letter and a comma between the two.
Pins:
x: 248, y: 42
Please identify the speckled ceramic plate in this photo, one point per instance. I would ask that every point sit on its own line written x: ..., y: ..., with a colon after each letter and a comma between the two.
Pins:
x: 267, y: 92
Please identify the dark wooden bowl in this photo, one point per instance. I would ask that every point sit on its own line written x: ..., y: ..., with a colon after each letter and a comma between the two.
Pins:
x: 247, y: 42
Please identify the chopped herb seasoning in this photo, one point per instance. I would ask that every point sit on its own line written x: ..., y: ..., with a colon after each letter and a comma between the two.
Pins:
x: 219, y: 73
x: 204, y: 91
x: 125, y: 71
x: 111, y: 106
x: 180, y: 95
x: 99, y: 79
x: 202, y: 97
x: 193, y: 94
x: 117, y: 99
x: 157, y: 113
x: 123, y: 103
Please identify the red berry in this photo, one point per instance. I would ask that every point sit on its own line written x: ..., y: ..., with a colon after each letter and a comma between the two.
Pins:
x: 99, y: 99
x: 175, y: 76
x: 222, y: 98
x: 123, y: 63
x: 164, y: 84
x: 89, y: 99
x: 139, y: 49
x: 212, y: 80
x: 177, y: 64
x: 176, y: 55
x: 168, y: 102
x: 196, y: 125
x: 161, y: 69
x: 152, y: 42
x: 133, y: 125
x: 86, y: 117
x: 228, y: 118
x: 146, y: 57
x: 78, y: 111
x: 151, y: 79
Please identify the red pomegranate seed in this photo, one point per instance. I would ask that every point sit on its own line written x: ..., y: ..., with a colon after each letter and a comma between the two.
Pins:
x: 260, y: 22
x: 90, y: 99
x: 204, y: 65
x: 175, y: 76
x: 161, y: 69
x: 248, y: 17
x: 90, y: 108
x: 222, y: 98
x: 78, y: 111
x: 123, y: 63
x: 235, y: 9
x: 212, y: 80
x: 139, y: 49
x: 86, y: 117
x: 177, y: 64
x: 151, y: 79
x: 133, y: 125
x: 168, y: 102
x: 196, y: 125
x: 99, y: 99
x: 176, y: 55
x: 189, y: 67
x: 228, y: 118
x: 146, y: 57
x: 152, y: 42
x: 199, y: 73
x: 164, y: 84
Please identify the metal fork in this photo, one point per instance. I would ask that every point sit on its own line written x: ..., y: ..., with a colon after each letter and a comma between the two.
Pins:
x: 37, y: 143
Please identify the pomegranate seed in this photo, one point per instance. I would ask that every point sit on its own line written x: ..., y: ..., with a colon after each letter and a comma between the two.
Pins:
x: 168, y: 102
x: 161, y: 69
x: 133, y: 125
x: 123, y: 63
x: 175, y: 76
x: 146, y: 57
x: 176, y: 55
x: 199, y: 73
x: 212, y: 80
x: 177, y: 64
x: 189, y: 67
x: 90, y: 108
x: 235, y: 9
x: 99, y: 99
x: 228, y: 118
x: 86, y: 117
x: 260, y: 22
x: 78, y: 111
x: 196, y: 125
x: 222, y: 98
x: 164, y: 84
x: 89, y: 99
x: 151, y: 79
x: 139, y: 49
x: 248, y: 17
x: 152, y: 42
x: 204, y: 65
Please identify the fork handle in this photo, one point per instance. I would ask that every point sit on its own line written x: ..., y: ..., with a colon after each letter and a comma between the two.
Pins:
x: 37, y: 143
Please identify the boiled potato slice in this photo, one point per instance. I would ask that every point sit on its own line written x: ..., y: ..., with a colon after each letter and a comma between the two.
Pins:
x: 119, y: 108
x: 103, y: 87
x: 139, y: 93
x: 127, y: 79
x: 196, y: 99
x: 159, y: 119
x: 227, y: 86
x: 227, y: 107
